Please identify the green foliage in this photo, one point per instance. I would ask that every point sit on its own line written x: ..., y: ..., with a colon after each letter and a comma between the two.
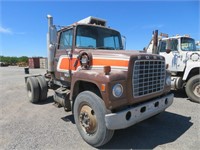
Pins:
x: 23, y: 59
x: 13, y: 60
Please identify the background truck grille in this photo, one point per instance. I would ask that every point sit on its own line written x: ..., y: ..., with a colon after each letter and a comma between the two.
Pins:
x: 148, y: 77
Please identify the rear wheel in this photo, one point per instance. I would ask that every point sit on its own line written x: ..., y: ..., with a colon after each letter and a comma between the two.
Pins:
x: 43, y: 89
x: 32, y: 87
x: 89, y: 114
x: 193, y: 88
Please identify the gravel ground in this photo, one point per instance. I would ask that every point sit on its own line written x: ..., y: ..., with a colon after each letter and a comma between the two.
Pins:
x: 42, y: 126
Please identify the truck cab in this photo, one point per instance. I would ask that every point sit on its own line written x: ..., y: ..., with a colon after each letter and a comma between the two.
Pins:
x: 183, y: 51
x: 82, y: 37
x: 105, y: 87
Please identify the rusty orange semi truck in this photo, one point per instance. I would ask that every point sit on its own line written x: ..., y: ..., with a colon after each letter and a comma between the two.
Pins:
x: 105, y: 87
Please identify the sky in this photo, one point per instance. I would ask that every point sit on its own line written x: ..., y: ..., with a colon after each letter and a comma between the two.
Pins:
x: 23, y: 24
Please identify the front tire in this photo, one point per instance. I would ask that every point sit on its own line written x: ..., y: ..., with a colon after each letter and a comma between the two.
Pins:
x: 193, y: 89
x: 89, y: 115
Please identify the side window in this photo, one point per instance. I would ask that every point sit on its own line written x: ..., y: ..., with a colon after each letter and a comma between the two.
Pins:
x: 162, y: 46
x: 174, y: 45
x: 66, y: 40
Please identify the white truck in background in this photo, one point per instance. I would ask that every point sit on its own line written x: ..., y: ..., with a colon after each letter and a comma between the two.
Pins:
x: 182, y: 57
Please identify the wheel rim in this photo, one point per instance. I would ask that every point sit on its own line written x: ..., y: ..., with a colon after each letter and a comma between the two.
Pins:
x: 196, y: 89
x: 88, y: 119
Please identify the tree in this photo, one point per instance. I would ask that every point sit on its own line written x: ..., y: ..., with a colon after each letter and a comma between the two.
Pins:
x: 23, y: 59
x: 13, y: 60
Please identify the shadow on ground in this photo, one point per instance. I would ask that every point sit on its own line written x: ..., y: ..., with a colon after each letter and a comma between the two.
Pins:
x: 162, y: 129
x: 46, y: 101
x: 179, y: 93
x: 69, y: 118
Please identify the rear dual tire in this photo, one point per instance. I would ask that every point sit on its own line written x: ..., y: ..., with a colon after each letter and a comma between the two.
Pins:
x: 43, y: 87
x: 32, y: 88
x: 36, y: 89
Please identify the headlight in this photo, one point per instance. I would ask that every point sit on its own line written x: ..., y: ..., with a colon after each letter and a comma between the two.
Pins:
x: 117, y: 90
x: 168, y: 80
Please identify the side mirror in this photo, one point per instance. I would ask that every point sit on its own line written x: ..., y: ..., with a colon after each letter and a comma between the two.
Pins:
x: 168, y: 46
x: 123, y: 42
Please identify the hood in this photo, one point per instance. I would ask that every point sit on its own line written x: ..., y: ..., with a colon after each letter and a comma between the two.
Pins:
x: 117, y: 59
x: 193, y: 56
x: 110, y: 52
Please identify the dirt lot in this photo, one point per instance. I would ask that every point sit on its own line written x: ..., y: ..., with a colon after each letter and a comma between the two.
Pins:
x: 26, y: 126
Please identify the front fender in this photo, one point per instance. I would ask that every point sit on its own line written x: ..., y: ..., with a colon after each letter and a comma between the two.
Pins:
x: 189, y: 67
x: 98, y: 78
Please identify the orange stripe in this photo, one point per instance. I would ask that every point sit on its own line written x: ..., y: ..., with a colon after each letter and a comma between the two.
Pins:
x: 107, y: 62
x: 64, y: 65
x: 72, y: 64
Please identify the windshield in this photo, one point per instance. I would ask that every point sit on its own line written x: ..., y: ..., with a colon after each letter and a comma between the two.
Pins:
x: 93, y: 37
x: 188, y: 44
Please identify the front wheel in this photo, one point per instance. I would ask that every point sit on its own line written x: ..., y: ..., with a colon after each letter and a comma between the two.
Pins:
x: 193, y: 88
x: 89, y: 115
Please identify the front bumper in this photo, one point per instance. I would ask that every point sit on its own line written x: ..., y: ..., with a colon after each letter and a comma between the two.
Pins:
x: 131, y: 116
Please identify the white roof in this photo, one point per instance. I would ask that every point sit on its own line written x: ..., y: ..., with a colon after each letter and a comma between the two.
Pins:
x: 93, y: 20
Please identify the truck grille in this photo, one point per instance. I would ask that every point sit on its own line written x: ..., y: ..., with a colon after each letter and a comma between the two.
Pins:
x: 148, y: 77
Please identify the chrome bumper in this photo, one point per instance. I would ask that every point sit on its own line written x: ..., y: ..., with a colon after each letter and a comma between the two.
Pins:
x: 129, y: 117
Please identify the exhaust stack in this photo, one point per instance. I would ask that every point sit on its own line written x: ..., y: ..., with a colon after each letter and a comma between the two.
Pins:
x: 155, y: 42
x: 51, y: 43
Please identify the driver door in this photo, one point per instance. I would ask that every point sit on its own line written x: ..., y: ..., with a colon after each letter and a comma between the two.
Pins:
x: 62, y: 58
x: 173, y: 59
